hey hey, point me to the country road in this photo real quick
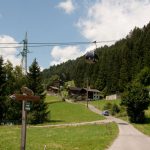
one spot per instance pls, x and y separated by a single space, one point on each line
129 138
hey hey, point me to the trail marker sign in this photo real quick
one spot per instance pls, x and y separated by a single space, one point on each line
27 106
21 97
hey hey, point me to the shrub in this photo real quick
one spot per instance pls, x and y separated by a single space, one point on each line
136 99
107 106
115 109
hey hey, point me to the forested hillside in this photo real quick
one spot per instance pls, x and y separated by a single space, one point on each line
117 65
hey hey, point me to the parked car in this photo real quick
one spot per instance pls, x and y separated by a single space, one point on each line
105 113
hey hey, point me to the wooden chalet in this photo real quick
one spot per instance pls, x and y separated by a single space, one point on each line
83 93
93 94
75 91
53 89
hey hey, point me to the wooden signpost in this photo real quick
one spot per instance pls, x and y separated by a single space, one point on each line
21 97
25 98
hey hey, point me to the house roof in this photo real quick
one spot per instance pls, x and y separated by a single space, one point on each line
86 89
92 90
74 88
53 87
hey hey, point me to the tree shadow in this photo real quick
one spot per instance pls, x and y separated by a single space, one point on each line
147 121
123 123
53 102
55 121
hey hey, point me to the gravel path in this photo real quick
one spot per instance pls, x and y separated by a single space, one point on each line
74 124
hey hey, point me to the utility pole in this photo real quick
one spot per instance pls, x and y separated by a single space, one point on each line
87 96
24 113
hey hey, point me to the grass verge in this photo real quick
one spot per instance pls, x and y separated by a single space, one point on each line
52 98
145 127
89 137
101 103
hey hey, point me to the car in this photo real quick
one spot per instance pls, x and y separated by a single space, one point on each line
105 113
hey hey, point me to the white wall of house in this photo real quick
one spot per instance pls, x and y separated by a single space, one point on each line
112 97
96 96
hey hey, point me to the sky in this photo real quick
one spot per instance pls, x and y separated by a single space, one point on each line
63 21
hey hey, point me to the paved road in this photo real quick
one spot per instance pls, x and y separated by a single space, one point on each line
129 138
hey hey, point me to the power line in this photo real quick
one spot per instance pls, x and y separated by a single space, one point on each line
44 44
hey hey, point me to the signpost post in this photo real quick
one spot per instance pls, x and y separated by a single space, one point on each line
25 107
26 96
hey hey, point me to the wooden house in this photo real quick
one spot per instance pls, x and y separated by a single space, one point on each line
84 93
53 89
93 94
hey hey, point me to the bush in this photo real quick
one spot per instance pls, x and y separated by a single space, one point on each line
136 99
115 109
122 112
107 106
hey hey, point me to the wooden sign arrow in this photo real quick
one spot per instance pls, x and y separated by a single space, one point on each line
20 97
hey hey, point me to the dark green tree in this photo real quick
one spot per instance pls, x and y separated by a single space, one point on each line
14 83
10 77
136 99
19 77
144 76
2 90
38 112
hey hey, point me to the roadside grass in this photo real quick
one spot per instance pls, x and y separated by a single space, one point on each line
63 112
101 103
53 98
145 127
88 137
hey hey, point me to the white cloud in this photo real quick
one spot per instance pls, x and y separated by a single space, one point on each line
9 53
113 20
60 54
67 6
41 68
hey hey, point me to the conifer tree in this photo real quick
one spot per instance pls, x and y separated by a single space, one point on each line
2 90
38 112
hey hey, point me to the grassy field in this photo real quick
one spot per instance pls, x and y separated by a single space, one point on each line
91 137
52 98
63 112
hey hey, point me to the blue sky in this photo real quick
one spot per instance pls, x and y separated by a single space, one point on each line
66 21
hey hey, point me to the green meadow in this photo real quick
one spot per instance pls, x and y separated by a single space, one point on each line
63 112
88 137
